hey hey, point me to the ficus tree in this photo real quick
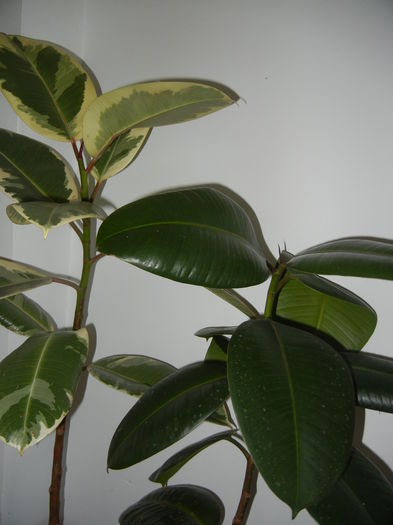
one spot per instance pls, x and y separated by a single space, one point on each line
293 371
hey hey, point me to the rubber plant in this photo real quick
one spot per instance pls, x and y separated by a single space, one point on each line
294 372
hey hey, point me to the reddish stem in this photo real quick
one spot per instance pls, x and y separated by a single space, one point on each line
249 491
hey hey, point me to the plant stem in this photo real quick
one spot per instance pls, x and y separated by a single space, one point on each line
272 292
82 299
249 491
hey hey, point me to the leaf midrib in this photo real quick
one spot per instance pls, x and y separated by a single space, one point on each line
294 414
184 224
30 316
51 97
30 396
170 401
23 173
140 123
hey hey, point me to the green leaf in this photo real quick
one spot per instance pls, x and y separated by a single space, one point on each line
147 105
354 256
180 504
133 374
168 411
120 154
211 331
236 300
37 385
329 308
218 349
22 315
178 460
47 86
294 401
196 236
17 277
32 171
47 215
373 377
363 496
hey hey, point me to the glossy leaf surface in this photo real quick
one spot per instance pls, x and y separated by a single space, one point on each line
329 308
37 385
32 171
133 374
180 504
17 277
48 215
211 331
120 154
46 85
178 460
196 236
218 349
363 496
147 105
168 411
22 315
235 299
294 401
354 256
373 377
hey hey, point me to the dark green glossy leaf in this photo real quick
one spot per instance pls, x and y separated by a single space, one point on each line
373 376
236 300
178 460
294 401
133 374
46 85
147 105
22 315
120 154
32 171
363 496
17 277
168 411
37 385
178 504
196 236
329 308
211 331
355 256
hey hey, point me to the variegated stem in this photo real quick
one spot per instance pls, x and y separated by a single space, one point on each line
249 491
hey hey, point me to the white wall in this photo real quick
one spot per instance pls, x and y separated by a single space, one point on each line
309 149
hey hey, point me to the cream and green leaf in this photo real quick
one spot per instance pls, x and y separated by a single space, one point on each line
37 385
17 277
22 315
149 104
47 215
47 86
121 152
32 171
327 307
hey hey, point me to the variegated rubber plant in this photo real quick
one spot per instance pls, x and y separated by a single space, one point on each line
294 373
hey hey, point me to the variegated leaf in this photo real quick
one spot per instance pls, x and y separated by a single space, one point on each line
47 215
17 277
32 171
133 374
37 385
122 151
22 315
47 86
149 104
